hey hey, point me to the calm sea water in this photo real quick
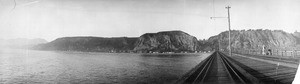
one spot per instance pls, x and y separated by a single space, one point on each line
30 66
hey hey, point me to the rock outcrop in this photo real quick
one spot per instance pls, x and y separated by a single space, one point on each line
167 41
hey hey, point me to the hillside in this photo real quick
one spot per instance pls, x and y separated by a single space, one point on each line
99 44
255 39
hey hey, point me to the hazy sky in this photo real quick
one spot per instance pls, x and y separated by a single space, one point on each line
51 19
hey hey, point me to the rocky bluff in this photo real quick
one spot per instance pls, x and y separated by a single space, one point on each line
167 41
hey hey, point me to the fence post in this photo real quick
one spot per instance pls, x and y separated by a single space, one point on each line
285 52
249 52
294 53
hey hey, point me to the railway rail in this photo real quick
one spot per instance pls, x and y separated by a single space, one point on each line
217 69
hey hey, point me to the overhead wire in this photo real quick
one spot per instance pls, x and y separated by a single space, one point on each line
213 8
214 13
15 4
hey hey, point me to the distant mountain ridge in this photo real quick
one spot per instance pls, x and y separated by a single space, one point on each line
178 41
21 42
167 41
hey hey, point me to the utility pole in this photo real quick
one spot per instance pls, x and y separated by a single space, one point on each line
228 17
219 41
229 44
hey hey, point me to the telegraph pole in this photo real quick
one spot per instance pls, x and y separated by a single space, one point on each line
229 44
228 17
219 42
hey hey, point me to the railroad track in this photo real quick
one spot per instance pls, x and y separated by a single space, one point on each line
217 69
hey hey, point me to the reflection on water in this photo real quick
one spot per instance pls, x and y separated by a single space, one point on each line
29 66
